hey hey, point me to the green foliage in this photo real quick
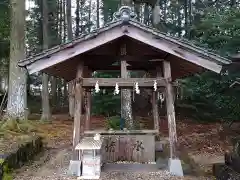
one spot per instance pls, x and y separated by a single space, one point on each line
208 96
219 30
4 28
113 122
105 102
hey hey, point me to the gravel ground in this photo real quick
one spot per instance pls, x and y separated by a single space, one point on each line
54 166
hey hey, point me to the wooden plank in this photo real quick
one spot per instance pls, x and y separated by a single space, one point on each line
78 110
118 68
123 82
134 57
170 111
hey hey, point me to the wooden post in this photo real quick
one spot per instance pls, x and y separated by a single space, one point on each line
170 111
155 102
78 109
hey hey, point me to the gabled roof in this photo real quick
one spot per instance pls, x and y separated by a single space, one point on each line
124 24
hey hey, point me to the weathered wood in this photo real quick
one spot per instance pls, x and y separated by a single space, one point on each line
95 58
78 110
155 103
123 82
170 111
117 68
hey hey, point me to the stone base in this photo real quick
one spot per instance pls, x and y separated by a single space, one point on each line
175 167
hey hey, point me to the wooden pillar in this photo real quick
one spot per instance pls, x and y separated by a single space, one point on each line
170 110
155 102
78 109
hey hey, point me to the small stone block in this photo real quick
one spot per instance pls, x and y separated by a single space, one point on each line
74 168
175 167
158 146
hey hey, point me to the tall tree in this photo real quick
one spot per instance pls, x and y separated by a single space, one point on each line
71 98
46 113
77 19
17 95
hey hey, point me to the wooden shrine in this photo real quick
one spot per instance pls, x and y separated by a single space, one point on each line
125 45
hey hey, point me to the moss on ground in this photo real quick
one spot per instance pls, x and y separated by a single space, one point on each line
7 173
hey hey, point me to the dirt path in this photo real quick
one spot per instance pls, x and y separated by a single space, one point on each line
53 165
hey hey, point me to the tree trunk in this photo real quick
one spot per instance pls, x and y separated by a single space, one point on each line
98 9
89 15
69 20
77 18
71 100
59 93
126 99
17 94
54 91
46 113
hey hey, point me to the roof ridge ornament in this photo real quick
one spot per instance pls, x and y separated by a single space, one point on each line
124 13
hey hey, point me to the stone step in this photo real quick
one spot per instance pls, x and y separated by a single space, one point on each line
130 167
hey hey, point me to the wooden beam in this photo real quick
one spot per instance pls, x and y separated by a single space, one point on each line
118 67
170 111
135 57
123 82
78 110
